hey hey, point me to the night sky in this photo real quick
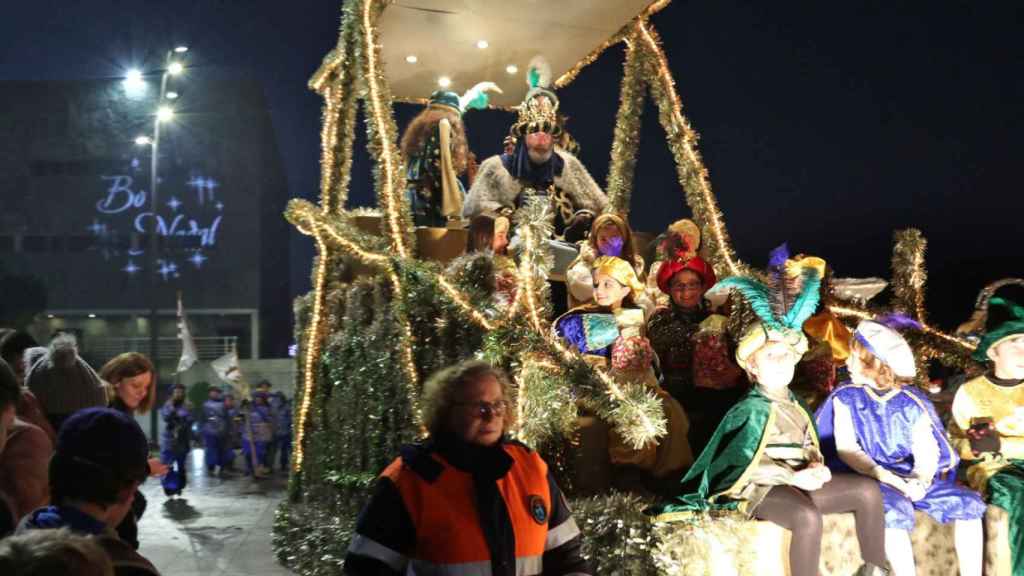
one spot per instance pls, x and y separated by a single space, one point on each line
828 125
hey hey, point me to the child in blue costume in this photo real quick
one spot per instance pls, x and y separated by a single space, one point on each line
881 426
176 440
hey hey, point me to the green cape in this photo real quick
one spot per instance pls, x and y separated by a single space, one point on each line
720 473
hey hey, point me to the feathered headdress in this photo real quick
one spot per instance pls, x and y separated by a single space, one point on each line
782 304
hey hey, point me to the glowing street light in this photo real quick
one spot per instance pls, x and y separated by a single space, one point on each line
143 140
171 95
444 81
164 114
134 84
181 49
175 68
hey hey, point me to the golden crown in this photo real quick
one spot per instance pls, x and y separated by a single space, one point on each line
539 113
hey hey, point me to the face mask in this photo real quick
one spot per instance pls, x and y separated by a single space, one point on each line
611 247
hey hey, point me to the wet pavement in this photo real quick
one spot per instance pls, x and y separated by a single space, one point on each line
217 527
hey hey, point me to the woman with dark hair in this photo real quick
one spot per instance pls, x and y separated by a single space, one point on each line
468 498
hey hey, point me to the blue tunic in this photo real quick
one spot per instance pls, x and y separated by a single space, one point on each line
884 428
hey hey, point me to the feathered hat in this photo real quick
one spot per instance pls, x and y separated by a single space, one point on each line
539 110
476 97
782 304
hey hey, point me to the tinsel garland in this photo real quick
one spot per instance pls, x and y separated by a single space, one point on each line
706 544
335 81
908 282
626 138
382 131
545 403
682 140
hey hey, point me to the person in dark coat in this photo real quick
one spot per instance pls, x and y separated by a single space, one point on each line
281 410
99 463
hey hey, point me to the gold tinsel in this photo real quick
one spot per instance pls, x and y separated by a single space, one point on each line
682 140
627 131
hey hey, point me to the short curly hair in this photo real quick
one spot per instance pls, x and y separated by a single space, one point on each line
442 388
43 552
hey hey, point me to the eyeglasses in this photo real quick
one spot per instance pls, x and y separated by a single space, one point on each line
486 410
683 287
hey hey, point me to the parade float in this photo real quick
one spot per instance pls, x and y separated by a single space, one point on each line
392 302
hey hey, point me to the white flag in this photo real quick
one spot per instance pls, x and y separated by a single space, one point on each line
227 367
189 355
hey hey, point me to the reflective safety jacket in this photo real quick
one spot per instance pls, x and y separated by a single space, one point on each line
449 509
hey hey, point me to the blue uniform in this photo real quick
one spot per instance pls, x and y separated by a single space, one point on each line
175 443
282 430
883 423
215 434
256 435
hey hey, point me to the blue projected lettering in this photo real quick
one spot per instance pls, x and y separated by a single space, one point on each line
192 213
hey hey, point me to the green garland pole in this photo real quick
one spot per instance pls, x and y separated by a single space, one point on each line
627 130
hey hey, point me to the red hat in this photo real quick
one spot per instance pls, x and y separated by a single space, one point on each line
696 264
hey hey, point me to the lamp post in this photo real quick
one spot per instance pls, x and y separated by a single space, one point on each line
164 113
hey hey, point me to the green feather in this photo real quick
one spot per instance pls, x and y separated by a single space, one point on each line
533 77
806 303
1016 310
756 294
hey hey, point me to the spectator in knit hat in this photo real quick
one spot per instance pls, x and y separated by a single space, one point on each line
63 382
100 461
24 452
49 552
20 350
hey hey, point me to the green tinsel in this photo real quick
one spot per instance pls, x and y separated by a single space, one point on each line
626 139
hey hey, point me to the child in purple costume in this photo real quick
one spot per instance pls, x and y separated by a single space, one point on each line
881 426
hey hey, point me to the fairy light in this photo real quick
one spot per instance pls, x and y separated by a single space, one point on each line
312 352
464 303
571 74
389 194
689 138
527 283
408 359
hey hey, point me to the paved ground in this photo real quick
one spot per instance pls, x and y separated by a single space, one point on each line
218 527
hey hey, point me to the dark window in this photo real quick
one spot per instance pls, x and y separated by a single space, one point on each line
35 244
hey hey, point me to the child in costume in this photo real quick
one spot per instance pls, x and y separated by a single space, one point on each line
435 151
610 331
610 235
693 347
988 420
880 426
488 233
764 460
176 440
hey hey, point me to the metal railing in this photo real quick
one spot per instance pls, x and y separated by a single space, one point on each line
208 347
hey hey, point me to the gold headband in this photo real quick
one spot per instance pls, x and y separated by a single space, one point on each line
621 271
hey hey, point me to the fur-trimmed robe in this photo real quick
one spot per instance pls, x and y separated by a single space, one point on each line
494 188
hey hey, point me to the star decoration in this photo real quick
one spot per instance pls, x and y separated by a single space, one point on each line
131 269
168 270
97 228
173 203
220 206
197 259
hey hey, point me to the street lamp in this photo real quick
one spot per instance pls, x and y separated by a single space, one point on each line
163 115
